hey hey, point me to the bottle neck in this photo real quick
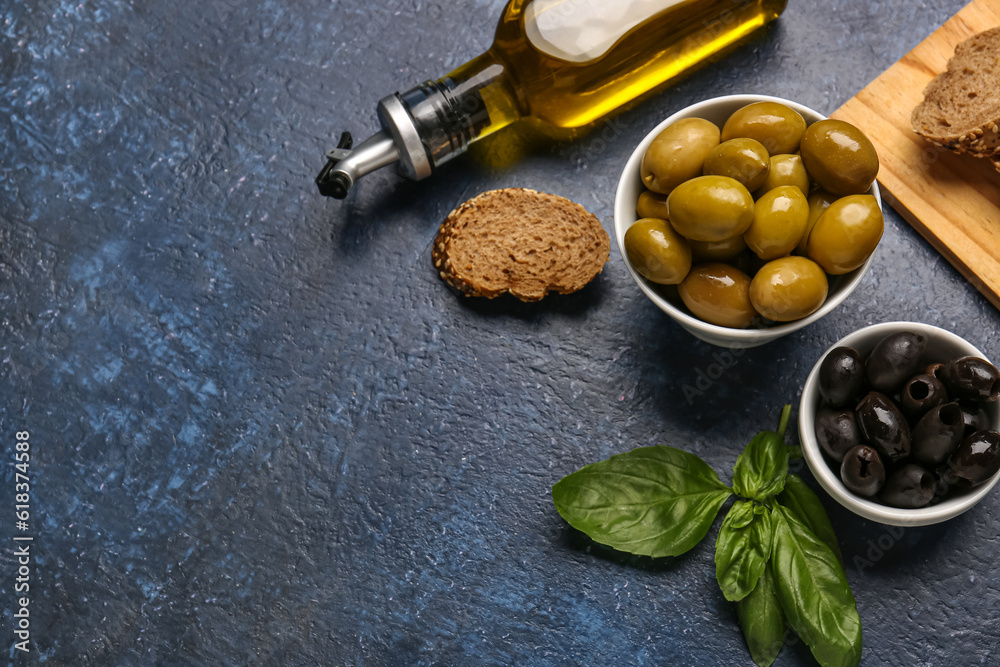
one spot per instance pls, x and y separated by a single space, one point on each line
447 115
484 91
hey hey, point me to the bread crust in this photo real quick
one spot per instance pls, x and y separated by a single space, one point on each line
519 241
961 106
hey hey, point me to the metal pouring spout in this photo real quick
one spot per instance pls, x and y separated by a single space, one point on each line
344 166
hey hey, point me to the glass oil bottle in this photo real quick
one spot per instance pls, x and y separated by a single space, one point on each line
566 63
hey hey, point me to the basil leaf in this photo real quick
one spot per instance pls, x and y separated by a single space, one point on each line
760 470
814 592
809 510
652 501
762 621
742 549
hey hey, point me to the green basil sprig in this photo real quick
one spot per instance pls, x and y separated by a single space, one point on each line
776 555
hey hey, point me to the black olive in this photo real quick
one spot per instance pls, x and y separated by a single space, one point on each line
942 487
976 459
971 378
934 369
883 426
937 434
908 487
836 432
920 394
862 471
974 416
894 360
841 377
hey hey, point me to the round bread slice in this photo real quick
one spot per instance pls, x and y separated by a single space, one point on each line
521 242
961 106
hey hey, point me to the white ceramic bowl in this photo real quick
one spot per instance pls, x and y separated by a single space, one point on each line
941 346
717 110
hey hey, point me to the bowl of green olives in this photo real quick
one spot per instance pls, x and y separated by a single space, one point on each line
899 423
747 217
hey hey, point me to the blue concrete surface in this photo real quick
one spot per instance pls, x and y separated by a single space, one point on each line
264 432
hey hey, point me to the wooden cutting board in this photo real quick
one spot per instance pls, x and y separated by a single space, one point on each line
952 200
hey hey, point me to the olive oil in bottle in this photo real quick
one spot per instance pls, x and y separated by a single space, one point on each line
566 63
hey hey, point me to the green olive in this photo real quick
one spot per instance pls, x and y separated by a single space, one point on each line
744 159
788 288
717 251
846 234
710 208
718 294
657 252
779 220
839 157
773 124
678 153
785 169
651 205
819 201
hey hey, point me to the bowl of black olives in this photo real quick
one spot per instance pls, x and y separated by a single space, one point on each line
747 217
900 423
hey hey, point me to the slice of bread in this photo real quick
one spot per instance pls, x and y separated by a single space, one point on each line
521 242
961 106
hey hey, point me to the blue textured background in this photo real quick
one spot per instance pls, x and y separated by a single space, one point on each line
263 430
